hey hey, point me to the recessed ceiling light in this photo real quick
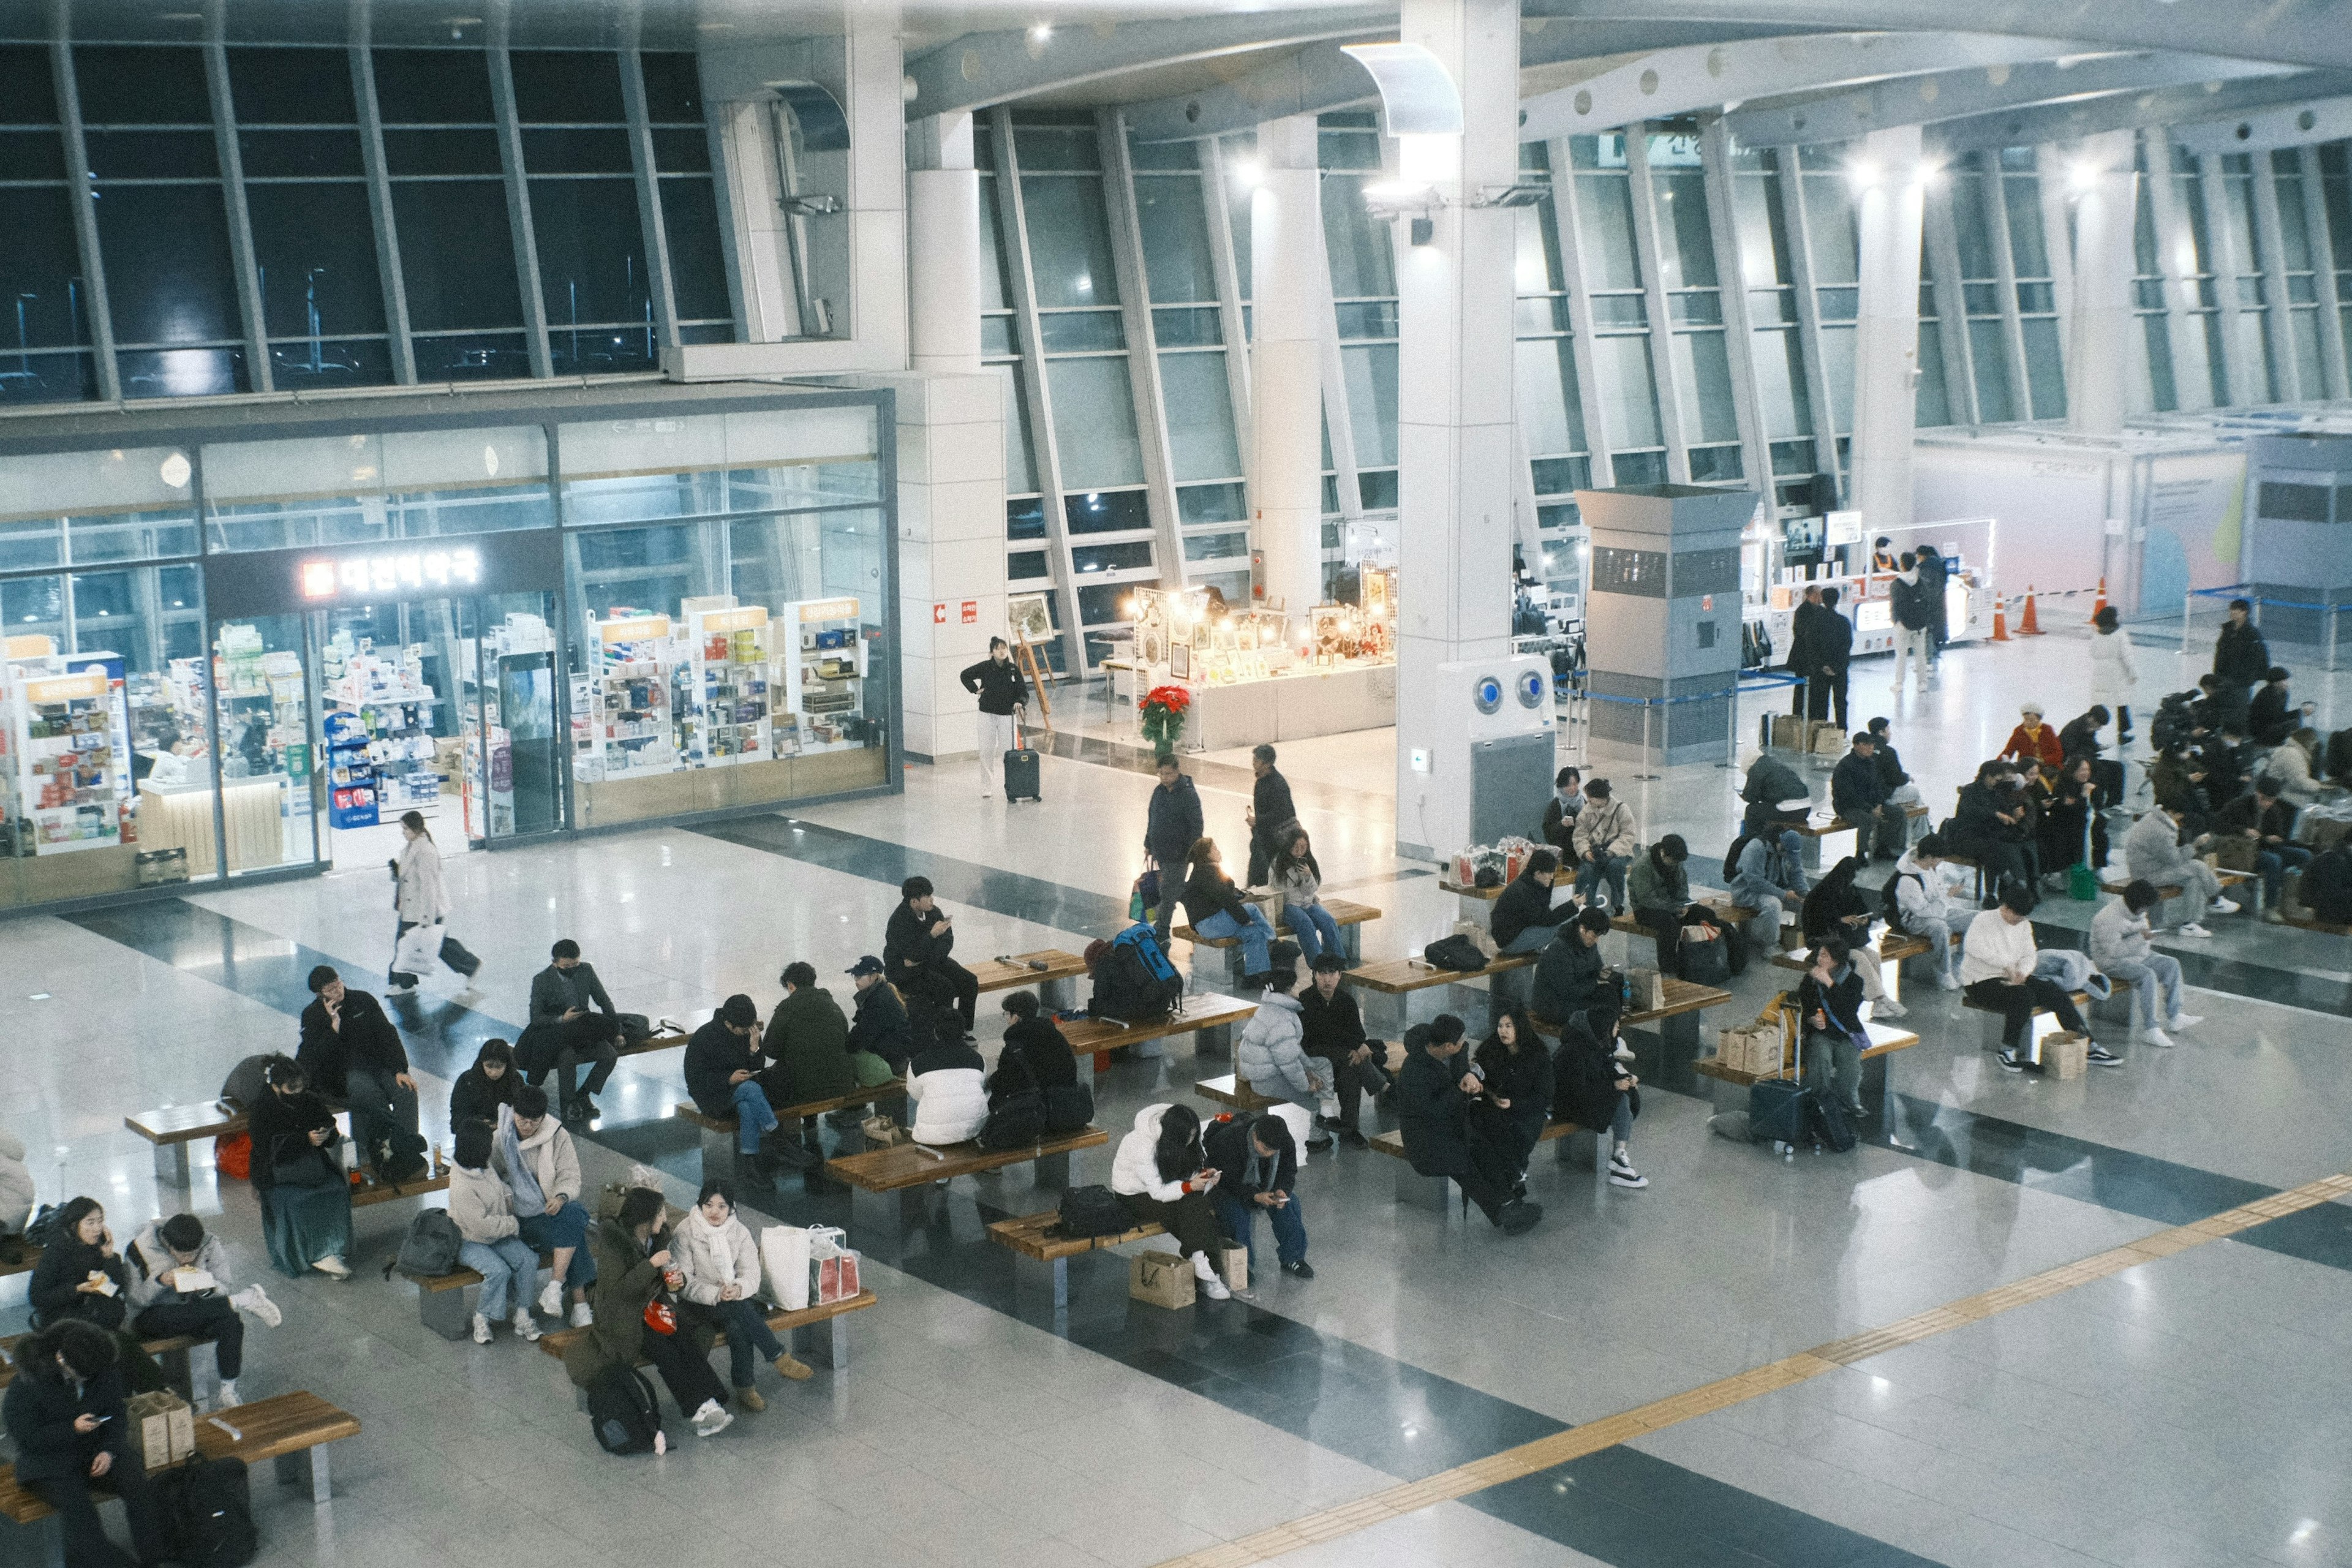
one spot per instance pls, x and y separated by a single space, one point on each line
180 17
461 21
1041 32
38 996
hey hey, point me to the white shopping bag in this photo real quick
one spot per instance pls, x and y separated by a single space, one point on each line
418 951
784 1259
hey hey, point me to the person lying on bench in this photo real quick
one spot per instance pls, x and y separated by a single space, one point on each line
67 1413
352 1056
563 1033
485 1088
1997 963
1433 1099
917 949
722 1070
1595 1087
1571 976
720 1261
878 1025
179 1285
482 1207
1335 1034
1164 1176
534 1152
634 1264
1257 1172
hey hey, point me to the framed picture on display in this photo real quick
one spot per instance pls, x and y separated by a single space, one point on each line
1028 615
1180 660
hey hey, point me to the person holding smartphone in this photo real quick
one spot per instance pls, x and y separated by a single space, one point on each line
1163 1175
65 1413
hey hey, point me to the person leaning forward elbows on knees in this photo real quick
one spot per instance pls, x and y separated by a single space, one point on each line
564 1033
1163 1175
2153 852
1434 1096
482 1208
917 949
533 1153
1334 1035
179 1284
722 1070
1257 1172
1524 916
2120 947
67 1414
1997 972
1572 978
715 1251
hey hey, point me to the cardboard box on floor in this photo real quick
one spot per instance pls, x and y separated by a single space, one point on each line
2065 1055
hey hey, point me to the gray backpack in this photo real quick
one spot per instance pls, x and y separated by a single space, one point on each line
430 1248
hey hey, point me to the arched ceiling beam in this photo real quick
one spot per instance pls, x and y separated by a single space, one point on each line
1320 78
1670 83
2130 111
983 69
2299 124
2287 32
1963 94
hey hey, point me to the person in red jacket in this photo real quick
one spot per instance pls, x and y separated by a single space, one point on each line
2034 742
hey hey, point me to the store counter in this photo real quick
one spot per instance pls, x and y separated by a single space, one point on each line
1330 701
180 817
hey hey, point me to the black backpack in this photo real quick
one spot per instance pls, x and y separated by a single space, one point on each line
430 1248
208 1512
1731 857
1455 953
1828 1124
1134 982
1092 1211
621 1411
1890 897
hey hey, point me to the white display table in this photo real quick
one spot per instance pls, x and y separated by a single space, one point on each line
180 817
1296 707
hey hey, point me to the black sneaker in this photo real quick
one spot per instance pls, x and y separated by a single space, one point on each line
791 1153
1353 1139
2011 1062
1320 1144
1302 1269
1519 1217
2100 1056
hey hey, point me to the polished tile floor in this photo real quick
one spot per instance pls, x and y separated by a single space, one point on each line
2185 1411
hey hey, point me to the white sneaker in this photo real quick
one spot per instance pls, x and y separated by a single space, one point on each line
581 1316
2156 1038
227 1399
1948 982
481 1329
711 1419
526 1327
1888 1007
2191 929
551 1299
250 1299
2225 906
2183 1021
333 1267
1215 1289
1204 1274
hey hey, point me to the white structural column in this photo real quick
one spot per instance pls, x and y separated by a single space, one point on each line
942 247
2106 189
1886 343
1285 471
1455 420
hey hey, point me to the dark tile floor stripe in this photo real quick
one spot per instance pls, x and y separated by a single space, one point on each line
1224 775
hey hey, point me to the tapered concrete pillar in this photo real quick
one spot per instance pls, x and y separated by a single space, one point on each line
2104 188
942 247
1887 215
1455 384
1286 364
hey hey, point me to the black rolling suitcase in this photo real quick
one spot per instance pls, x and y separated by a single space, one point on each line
1022 774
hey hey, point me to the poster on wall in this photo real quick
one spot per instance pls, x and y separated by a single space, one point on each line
2191 526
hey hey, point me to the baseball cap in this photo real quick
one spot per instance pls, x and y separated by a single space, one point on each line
870 965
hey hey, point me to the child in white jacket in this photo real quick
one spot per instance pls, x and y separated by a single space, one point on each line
720 1261
482 1207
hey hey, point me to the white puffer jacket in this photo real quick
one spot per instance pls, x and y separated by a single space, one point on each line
713 1256
950 1103
1136 1167
15 1185
2113 675
1271 1055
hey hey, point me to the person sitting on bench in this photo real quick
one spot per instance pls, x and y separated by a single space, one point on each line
1257 1172
633 1262
80 1275
1595 1087
1923 901
1858 795
563 1033
1217 910
488 1087
1524 916
877 1024
352 1056
1828 1011
2266 820
915 948
1605 844
1768 874
1572 977
715 1251
1334 1033
1997 972
947 1083
1163 1175
297 1175
1035 1056
2153 852
482 1207
68 1416
1558 828
1271 1054
1434 1095
534 1152
722 1071
2120 947
1516 1066
1835 908
807 1047
1660 890
179 1285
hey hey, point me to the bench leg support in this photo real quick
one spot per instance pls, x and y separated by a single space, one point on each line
825 1344
1217 1041
1873 1086
444 1311
1059 994
1041 1286
289 1468
171 1165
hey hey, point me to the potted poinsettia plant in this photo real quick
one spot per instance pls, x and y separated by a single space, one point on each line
1163 715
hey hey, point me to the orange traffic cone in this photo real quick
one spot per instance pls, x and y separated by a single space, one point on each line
2027 626
2101 602
2000 621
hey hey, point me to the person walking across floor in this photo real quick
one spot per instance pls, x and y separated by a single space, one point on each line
1606 843
1435 1096
1256 1164
1172 824
2122 950
716 1252
573 1024
482 1206
1163 1175
67 1415
1910 612
2114 676
1997 964
1003 693
421 901
1271 814
178 1283
533 1153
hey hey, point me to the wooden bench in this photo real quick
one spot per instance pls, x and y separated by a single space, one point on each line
794 1327
892 1187
1347 915
1049 970
1231 1090
724 1127
173 1128
1884 1041
281 1428
1669 1066
1894 947
2045 1021
25 1264
1438 1193
370 1191
1033 1243
1401 977
1201 1012
172 1351
2116 881
1826 842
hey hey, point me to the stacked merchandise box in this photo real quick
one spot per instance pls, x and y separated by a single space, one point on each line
62 733
822 657
731 716
395 706
629 731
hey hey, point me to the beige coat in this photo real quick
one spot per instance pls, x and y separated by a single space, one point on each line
422 899
553 1159
715 1256
480 1205
1606 825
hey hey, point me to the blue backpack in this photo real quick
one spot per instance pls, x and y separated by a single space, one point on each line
1134 982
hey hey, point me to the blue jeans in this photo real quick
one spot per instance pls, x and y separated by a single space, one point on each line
753 1119
2274 864
749 1340
1255 935
1235 1217
567 1227
1590 874
1535 939
508 1261
1313 926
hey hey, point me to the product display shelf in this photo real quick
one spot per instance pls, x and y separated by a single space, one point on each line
823 669
629 731
63 781
732 668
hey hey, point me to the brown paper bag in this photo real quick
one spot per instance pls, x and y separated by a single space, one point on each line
162 1428
1162 1279
1789 732
881 1132
1235 1268
2065 1053
1649 988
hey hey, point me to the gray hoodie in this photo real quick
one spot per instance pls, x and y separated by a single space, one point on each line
147 1260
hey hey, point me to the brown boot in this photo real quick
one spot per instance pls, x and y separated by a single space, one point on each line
749 1398
791 1367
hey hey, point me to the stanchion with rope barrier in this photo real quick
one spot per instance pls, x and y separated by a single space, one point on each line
1751 680
2237 591
1730 694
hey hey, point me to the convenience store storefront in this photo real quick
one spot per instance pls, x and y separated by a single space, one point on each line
242 648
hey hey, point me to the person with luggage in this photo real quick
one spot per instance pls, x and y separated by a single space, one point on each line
1923 907
533 1153
420 899
1300 880
1595 1087
67 1415
1558 828
1163 1175
1257 1173
1435 1095
716 1252
917 952
1829 1008
1605 843
1858 795
1573 980
722 1072
1036 1055
635 1268
1172 824
1271 815
2154 852
482 1207
2266 820
1516 1066
877 1023
1908 606
306 1202
573 1024
1524 919
1217 910
1332 1029
1836 910
1997 971
1660 890
178 1285
2122 950
483 1089
1003 693
1271 1054
351 1054
2241 659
